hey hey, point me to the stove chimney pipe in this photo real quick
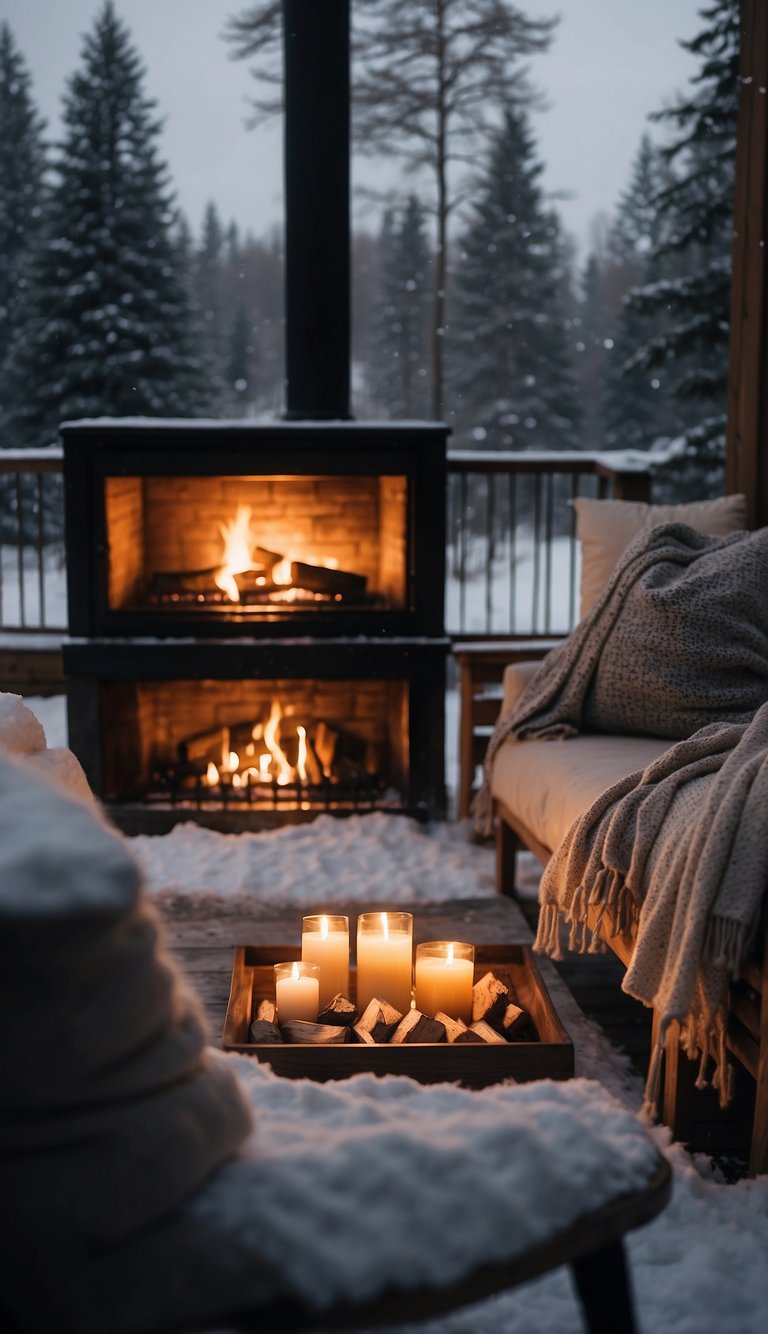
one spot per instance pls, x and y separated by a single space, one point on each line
317 245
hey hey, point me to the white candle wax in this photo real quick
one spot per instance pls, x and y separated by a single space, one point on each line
330 950
384 968
297 997
445 984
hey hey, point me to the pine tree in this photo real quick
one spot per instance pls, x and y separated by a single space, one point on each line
22 167
111 330
242 360
637 408
208 283
697 210
512 374
398 374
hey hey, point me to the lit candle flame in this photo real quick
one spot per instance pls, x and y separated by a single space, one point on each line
295 972
385 925
212 774
449 960
324 927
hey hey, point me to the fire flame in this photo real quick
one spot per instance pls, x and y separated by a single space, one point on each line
240 543
236 557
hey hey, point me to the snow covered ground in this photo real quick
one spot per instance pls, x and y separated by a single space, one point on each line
697 1269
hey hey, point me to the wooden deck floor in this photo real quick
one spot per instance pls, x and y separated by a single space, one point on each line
591 985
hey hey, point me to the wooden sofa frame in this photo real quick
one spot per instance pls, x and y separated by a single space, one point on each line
747 1031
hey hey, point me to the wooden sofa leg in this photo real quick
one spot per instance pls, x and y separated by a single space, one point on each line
679 1083
507 848
758 1157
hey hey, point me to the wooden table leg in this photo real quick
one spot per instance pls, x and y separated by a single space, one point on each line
602 1282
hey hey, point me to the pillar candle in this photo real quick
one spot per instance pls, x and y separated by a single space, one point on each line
297 991
445 972
325 941
385 959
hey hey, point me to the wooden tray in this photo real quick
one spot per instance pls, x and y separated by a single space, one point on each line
550 1056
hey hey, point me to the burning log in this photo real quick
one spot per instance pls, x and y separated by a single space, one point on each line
324 1035
340 1011
379 1020
418 1027
335 583
456 1030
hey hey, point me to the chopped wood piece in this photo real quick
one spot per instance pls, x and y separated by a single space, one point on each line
340 1011
266 1009
418 1027
262 1030
456 1030
380 1019
486 1033
512 1019
322 1035
363 1035
490 999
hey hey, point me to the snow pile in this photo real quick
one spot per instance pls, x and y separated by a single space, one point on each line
23 735
20 731
355 860
348 1186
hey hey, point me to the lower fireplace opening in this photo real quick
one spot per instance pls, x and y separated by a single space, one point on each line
285 746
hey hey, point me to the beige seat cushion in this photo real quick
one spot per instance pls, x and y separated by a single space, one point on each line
605 529
549 784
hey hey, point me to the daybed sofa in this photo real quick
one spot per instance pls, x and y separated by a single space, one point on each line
540 787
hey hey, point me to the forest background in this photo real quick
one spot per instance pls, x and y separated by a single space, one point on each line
470 300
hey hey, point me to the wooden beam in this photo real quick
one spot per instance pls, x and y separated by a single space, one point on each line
747 431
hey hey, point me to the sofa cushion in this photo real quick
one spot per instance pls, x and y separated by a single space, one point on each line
605 529
549 784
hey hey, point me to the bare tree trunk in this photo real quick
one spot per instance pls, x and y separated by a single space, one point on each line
438 304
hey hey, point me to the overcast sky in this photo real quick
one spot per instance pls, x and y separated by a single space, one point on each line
611 62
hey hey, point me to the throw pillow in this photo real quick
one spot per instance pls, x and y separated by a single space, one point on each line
605 529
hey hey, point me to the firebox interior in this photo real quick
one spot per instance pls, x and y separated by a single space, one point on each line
251 545
254 742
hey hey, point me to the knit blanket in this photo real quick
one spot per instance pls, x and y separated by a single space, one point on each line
676 646
678 639
678 852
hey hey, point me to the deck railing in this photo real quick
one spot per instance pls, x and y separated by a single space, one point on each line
512 557
32 574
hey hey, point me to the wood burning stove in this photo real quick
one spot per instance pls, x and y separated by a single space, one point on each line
256 618
204 528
